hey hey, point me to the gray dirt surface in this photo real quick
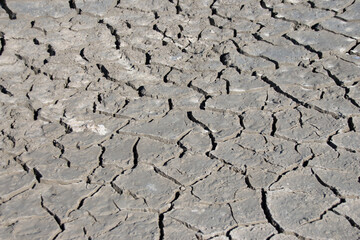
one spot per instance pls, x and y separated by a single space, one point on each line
179 119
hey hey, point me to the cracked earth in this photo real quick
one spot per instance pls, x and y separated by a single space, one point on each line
180 119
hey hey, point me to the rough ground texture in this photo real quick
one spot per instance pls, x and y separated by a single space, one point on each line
206 119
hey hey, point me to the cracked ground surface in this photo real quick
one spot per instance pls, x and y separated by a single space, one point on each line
180 119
